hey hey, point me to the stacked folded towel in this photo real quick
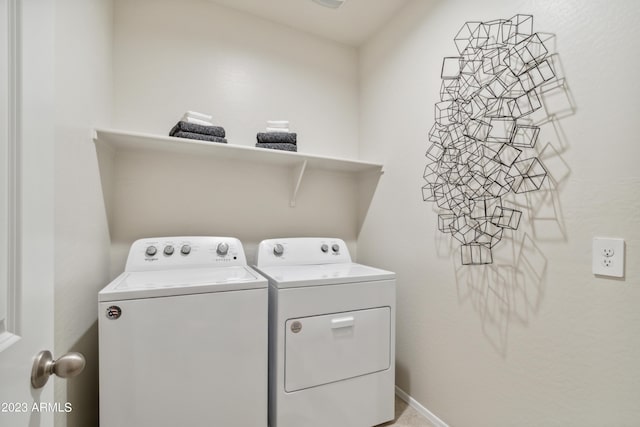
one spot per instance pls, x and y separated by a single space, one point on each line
278 136
198 126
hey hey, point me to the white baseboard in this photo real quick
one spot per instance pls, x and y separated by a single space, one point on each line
433 419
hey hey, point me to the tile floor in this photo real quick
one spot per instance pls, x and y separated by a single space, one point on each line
406 416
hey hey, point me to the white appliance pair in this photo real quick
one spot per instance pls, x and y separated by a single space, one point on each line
184 333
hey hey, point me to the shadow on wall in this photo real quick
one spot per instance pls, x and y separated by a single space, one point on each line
403 376
507 291
511 289
509 286
367 185
82 391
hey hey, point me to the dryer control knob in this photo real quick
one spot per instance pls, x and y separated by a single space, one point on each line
151 251
324 248
335 247
168 250
222 249
185 250
278 249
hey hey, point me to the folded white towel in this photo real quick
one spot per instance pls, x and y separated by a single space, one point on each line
196 121
283 130
278 123
198 116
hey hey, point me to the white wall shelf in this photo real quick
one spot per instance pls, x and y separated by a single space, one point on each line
298 163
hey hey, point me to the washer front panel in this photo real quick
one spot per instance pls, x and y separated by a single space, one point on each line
190 360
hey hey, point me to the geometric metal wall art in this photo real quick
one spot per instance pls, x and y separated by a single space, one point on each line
482 140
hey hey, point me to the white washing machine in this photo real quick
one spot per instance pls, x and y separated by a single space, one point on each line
331 335
183 337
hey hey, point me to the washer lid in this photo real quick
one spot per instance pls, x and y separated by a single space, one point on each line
293 276
163 283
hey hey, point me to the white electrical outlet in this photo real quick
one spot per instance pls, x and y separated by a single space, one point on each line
608 257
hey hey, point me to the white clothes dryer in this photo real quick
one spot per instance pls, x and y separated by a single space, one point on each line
331 335
183 337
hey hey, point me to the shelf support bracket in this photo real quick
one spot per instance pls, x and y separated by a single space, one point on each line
297 174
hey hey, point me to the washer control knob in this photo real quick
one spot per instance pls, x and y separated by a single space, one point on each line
335 247
324 248
185 250
151 251
278 249
168 250
222 249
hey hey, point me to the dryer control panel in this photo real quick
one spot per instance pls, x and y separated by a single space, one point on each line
168 253
302 251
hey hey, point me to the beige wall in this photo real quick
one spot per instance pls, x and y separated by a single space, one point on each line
534 339
83 38
196 55
145 69
173 56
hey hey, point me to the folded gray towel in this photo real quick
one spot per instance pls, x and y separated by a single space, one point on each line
277 137
278 146
200 137
183 126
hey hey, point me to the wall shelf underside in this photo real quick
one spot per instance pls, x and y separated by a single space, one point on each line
298 163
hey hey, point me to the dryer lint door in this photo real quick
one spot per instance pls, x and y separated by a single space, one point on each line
333 347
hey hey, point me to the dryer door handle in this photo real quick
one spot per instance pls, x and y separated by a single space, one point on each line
342 322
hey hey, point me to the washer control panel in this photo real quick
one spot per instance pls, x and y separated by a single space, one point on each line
166 253
303 250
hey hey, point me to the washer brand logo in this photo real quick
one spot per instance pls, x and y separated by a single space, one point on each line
296 327
114 312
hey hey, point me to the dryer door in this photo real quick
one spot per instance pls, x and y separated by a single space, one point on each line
333 347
